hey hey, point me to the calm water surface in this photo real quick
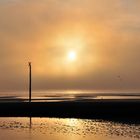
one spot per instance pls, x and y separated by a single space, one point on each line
64 95
66 129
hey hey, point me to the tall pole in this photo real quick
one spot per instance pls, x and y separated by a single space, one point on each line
30 81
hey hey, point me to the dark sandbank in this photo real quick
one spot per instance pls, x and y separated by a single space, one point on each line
127 109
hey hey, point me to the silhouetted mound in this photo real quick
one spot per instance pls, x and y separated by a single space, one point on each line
115 108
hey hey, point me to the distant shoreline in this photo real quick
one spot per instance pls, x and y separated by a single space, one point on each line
69 97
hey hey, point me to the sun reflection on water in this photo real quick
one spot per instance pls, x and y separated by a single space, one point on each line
55 128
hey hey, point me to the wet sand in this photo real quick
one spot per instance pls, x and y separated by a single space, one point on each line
24 128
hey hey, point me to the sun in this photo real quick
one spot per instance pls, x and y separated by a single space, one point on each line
71 55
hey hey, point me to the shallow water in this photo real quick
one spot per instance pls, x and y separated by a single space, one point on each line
66 129
67 95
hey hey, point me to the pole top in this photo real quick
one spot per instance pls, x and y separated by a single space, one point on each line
29 63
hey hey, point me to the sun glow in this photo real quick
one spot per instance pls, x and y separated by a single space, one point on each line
71 55
67 55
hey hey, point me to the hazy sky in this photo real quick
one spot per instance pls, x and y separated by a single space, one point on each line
104 36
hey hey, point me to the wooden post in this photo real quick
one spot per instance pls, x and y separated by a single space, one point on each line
30 122
30 82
